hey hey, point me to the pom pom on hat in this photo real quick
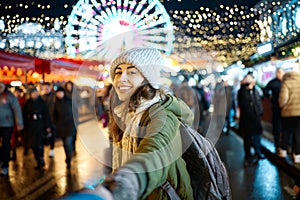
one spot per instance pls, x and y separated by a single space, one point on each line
146 60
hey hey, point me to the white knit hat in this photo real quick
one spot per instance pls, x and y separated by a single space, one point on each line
146 60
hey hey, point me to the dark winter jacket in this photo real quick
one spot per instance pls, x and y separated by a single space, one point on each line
63 117
251 110
273 88
36 120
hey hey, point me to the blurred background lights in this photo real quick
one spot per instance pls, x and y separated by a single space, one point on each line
227 33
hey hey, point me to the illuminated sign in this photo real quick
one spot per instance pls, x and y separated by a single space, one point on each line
265 49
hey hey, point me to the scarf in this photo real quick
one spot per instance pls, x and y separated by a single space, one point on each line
123 150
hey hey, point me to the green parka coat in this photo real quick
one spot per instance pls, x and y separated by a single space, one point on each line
158 156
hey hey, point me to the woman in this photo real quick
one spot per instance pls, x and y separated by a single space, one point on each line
144 128
37 124
64 122
69 85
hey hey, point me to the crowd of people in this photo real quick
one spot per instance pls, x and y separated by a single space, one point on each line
282 92
245 106
35 117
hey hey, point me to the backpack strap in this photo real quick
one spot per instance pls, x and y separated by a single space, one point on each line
168 188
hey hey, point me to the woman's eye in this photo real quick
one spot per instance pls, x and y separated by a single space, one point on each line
118 73
132 72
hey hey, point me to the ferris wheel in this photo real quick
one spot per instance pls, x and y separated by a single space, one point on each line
104 28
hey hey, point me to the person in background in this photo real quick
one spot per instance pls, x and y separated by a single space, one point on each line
272 91
229 107
144 127
250 126
18 92
39 87
103 106
49 97
69 87
10 116
64 122
203 108
289 102
219 105
190 96
37 124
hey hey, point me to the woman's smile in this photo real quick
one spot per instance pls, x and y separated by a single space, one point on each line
124 88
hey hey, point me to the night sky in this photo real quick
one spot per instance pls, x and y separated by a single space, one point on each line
57 6
195 4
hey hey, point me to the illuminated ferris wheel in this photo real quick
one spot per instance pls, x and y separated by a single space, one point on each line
104 28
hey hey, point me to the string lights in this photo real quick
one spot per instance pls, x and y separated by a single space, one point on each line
280 24
228 34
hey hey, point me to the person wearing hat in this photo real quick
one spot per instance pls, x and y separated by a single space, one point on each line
10 116
144 129
251 111
64 122
37 124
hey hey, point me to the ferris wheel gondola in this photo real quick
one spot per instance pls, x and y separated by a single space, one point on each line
103 28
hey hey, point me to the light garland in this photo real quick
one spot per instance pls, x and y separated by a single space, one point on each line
226 33
280 24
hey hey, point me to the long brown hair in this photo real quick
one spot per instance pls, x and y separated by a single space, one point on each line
145 91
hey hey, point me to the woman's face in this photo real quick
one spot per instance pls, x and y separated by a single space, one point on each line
69 87
127 80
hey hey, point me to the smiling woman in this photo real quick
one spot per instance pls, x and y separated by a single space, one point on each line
144 130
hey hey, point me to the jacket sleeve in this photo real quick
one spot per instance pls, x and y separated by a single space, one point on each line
283 95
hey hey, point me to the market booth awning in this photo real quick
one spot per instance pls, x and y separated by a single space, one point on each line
18 67
31 69
16 60
64 69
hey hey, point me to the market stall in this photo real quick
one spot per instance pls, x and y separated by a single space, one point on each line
64 69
